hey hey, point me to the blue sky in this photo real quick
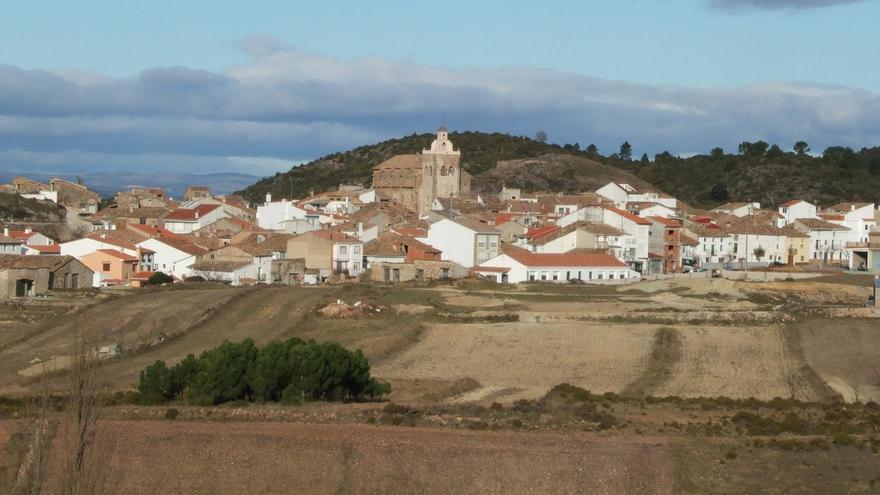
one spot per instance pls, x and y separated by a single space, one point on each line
206 86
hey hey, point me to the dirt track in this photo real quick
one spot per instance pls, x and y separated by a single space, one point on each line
218 458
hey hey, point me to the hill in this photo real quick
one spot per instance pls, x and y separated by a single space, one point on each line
554 172
14 208
759 172
480 152
768 175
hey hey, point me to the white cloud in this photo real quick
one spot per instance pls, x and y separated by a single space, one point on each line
284 105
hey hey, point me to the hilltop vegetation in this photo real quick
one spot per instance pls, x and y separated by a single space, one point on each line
14 208
757 172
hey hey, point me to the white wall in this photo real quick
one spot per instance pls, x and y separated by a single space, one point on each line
168 259
801 209
85 246
456 241
271 215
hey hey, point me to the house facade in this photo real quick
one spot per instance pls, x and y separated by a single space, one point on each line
328 252
516 265
464 240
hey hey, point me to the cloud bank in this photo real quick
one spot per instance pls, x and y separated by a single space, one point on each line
284 106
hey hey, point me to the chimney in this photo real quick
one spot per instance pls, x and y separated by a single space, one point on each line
197 214
139 257
268 198
5 231
28 230
360 230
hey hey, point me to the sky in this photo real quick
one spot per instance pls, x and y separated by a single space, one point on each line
256 87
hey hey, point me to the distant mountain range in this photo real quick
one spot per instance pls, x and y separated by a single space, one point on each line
108 183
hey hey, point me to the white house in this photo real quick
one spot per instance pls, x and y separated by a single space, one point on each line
757 243
649 209
797 208
713 244
464 240
738 209
174 255
858 217
29 236
827 240
621 194
188 220
517 265
636 252
95 241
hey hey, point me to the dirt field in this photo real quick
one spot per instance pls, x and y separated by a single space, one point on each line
515 360
451 352
218 458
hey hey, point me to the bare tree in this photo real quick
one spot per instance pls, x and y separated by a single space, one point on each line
32 470
83 472
541 136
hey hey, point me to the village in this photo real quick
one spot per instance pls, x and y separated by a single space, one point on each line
420 221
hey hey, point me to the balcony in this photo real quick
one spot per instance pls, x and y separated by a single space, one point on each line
863 245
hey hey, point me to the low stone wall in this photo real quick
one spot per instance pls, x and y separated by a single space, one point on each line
406 272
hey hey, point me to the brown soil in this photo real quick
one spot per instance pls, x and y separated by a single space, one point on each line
217 458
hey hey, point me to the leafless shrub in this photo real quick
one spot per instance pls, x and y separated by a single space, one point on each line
84 468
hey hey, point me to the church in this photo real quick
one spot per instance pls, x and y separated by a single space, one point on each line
416 180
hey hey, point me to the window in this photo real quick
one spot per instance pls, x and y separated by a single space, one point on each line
555 275
105 267
531 276
543 275
445 273
356 266
343 250
356 250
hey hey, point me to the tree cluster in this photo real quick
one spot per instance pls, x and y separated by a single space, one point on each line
288 371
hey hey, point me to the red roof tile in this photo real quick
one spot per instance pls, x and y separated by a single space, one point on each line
666 221
629 216
117 254
50 249
571 258
189 214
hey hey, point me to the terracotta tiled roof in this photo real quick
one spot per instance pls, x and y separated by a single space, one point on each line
189 214
331 235
183 243
401 161
113 238
33 261
411 231
571 258
263 244
50 249
218 266
117 254
669 222
629 216
142 275
816 224
474 224
791 202
9 240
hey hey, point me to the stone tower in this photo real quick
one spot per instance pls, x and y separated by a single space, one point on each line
442 176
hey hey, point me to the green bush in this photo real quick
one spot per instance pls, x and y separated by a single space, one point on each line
160 278
171 414
290 371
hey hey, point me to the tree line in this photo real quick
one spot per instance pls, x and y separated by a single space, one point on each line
290 371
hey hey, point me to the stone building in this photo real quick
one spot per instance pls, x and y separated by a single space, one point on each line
416 180
29 276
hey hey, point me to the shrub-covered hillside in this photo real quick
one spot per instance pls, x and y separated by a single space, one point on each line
756 172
